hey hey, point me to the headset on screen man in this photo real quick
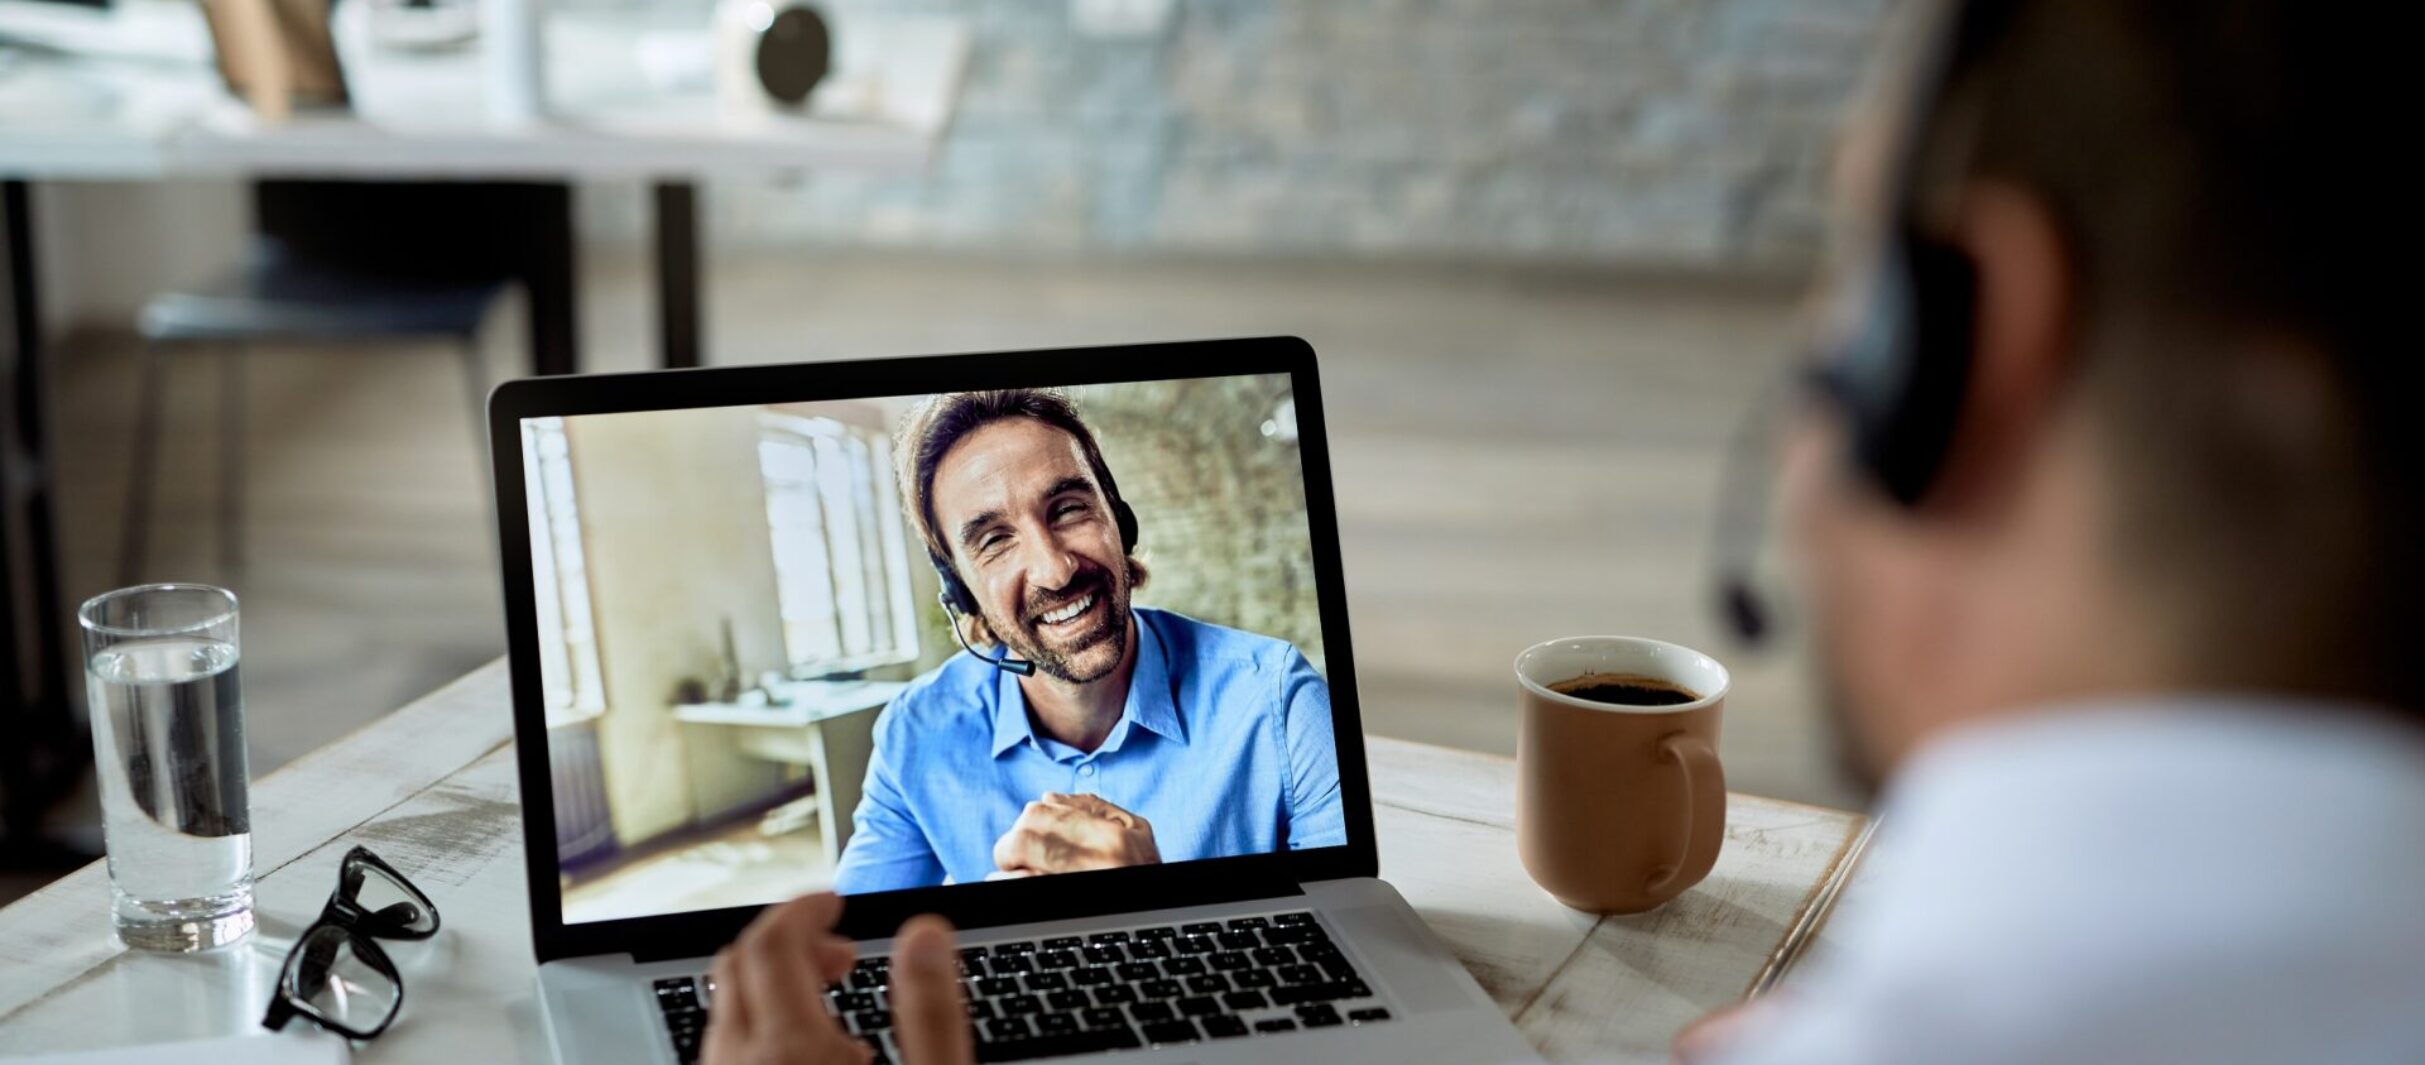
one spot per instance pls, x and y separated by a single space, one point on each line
957 601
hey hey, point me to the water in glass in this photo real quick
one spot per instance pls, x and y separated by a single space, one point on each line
168 740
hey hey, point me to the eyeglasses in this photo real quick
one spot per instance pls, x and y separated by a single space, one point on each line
336 976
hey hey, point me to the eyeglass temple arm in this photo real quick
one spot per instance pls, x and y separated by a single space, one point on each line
280 1012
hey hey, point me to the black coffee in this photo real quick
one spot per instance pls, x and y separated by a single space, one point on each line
1625 689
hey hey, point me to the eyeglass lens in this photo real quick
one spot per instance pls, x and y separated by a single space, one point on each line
393 906
333 979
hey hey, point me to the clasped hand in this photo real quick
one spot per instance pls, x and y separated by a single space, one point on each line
1069 833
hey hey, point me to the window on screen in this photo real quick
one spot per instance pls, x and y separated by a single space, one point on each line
568 644
842 577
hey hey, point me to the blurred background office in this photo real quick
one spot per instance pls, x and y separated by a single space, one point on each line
1549 251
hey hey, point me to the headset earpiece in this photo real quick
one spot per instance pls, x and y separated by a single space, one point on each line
1122 514
953 595
1127 520
1902 376
958 603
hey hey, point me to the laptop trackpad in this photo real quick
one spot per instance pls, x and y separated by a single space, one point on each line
1397 952
598 1024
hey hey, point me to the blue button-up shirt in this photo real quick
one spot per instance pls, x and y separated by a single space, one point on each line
1224 746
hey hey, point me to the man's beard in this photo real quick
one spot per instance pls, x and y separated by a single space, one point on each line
1110 628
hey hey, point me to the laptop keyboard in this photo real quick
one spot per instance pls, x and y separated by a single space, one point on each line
1159 985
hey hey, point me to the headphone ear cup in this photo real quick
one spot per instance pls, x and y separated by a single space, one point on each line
1944 334
1126 517
1902 382
953 594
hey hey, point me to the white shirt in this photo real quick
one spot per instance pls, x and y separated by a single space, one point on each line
2201 880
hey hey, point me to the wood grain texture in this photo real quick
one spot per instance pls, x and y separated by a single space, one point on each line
432 789
1584 987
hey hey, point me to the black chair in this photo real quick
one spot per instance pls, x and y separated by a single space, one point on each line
333 262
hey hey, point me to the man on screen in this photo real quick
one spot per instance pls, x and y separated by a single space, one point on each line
1079 732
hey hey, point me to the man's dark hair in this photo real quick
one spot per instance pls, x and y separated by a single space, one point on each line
930 429
2224 175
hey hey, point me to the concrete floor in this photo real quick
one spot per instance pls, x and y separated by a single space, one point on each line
1519 454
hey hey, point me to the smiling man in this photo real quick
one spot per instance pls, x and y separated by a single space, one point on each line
1095 734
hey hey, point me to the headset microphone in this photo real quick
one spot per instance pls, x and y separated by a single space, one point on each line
1004 662
1746 609
1742 510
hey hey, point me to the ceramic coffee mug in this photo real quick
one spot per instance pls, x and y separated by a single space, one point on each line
1620 807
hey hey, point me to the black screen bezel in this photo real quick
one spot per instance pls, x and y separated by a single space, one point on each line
967 905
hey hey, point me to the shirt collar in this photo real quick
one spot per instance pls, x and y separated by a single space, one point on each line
1149 704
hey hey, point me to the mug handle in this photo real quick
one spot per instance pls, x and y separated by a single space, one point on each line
1704 791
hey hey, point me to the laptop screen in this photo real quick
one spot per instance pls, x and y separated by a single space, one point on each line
877 644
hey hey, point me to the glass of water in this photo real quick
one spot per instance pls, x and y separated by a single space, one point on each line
168 745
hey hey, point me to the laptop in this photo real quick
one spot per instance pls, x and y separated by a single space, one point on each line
1051 643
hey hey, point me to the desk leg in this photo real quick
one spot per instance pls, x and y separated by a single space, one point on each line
39 750
847 742
677 205
549 277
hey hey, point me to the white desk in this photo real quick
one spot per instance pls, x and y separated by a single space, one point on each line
826 727
431 789
805 703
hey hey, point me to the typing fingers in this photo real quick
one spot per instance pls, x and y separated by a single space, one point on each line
930 1020
769 1002
781 951
728 1006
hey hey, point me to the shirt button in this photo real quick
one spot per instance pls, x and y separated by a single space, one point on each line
1087 770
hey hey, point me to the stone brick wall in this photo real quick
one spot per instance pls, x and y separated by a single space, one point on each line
1220 504
1670 132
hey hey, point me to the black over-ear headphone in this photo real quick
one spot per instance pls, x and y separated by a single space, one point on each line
958 601
1898 360
1897 356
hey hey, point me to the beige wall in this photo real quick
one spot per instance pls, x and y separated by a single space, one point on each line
1220 507
674 523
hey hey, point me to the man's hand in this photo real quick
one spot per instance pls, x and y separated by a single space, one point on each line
1067 833
769 1002
1720 1030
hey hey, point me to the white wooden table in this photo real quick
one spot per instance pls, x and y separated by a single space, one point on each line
431 788
827 728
